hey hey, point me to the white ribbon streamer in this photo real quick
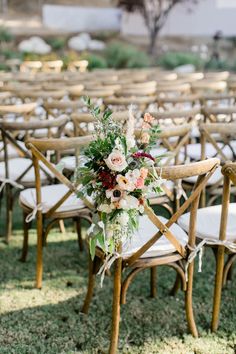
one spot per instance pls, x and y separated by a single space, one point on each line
231 246
11 182
109 260
32 215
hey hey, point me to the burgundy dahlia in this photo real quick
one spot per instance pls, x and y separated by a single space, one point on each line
137 155
108 180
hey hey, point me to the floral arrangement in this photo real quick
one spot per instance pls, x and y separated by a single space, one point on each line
119 174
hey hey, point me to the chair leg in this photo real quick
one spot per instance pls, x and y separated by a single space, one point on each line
189 303
62 226
9 206
153 282
116 307
218 288
176 286
91 283
26 227
79 234
39 261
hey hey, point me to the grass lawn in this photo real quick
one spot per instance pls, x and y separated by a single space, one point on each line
49 321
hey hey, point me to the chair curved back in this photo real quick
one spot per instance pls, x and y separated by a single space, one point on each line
202 169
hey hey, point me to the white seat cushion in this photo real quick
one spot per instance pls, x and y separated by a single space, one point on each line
194 151
69 162
50 196
208 222
17 166
216 177
158 151
11 150
145 232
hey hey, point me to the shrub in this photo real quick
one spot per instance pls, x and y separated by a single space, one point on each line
95 61
5 35
173 59
120 55
218 64
11 54
57 43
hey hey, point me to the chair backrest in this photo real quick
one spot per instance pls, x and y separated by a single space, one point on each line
222 137
229 173
39 148
176 116
219 114
11 130
202 169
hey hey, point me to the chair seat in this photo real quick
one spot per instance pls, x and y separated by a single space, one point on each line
208 222
50 196
145 232
215 178
158 151
194 151
17 166
11 150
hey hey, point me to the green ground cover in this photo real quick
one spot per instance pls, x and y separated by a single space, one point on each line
49 321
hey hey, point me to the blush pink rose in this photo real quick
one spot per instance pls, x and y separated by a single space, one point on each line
116 161
139 183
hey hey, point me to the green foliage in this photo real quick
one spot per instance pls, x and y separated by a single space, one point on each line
57 43
218 64
171 60
95 61
5 35
12 54
49 321
120 55
3 67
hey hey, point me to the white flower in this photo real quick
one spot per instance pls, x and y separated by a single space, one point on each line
132 176
130 141
123 218
118 145
129 202
105 208
124 183
116 161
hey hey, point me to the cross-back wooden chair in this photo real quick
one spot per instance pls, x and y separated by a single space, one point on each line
140 103
18 172
53 203
221 138
178 102
216 228
219 114
171 143
50 66
217 99
158 241
208 86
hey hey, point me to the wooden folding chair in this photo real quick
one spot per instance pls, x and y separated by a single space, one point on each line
53 203
157 242
217 139
216 228
18 171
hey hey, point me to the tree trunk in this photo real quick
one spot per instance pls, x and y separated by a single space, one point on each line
152 41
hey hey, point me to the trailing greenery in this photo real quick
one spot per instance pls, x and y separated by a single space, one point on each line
171 60
119 55
218 64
